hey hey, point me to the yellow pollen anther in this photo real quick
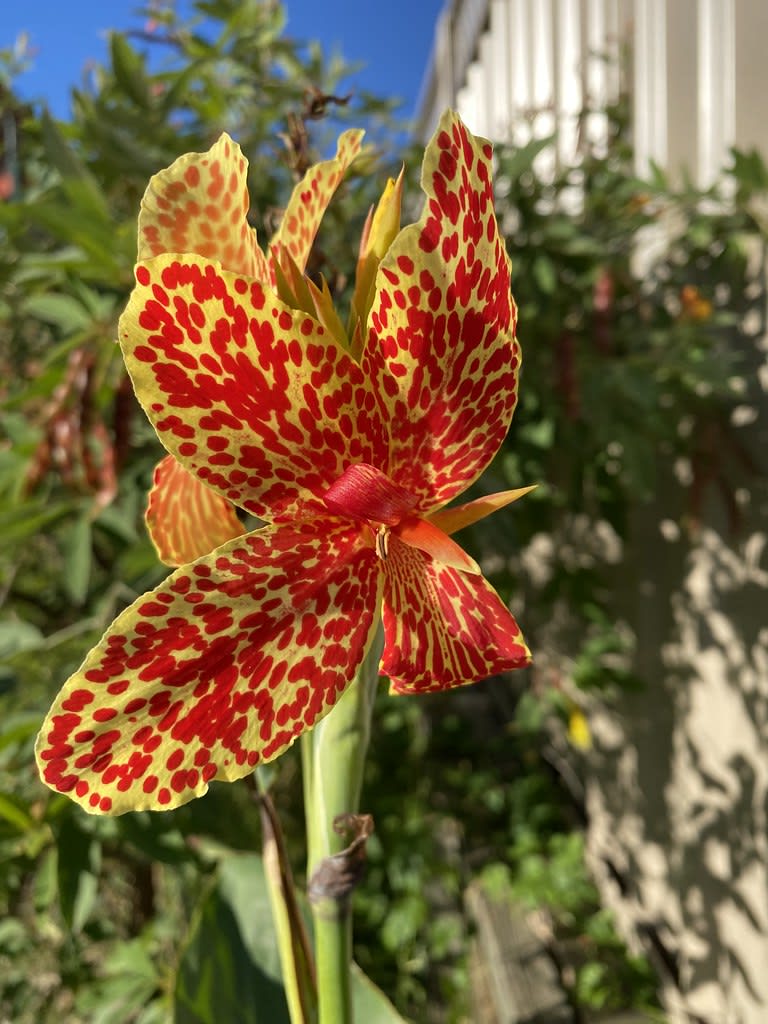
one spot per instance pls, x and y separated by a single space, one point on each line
382 542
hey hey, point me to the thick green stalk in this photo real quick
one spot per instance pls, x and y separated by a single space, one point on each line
334 757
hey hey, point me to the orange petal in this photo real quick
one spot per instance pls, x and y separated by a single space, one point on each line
252 397
185 518
440 348
442 627
456 518
427 537
199 205
218 669
310 199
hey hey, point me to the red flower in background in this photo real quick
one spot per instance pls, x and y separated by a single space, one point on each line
348 443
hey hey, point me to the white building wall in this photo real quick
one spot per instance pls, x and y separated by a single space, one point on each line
517 69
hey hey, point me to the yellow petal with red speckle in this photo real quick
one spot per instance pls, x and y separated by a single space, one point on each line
310 198
443 627
199 205
255 399
218 669
186 519
440 349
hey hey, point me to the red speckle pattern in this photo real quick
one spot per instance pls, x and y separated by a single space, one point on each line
441 350
217 669
442 627
200 205
185 518
237 652
310 199
255 399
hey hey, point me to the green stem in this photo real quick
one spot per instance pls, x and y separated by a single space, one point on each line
333 760
333 945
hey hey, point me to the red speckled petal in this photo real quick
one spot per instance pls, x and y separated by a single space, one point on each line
199 205
441 349
185 518
310 199
442 627
218 669
255 399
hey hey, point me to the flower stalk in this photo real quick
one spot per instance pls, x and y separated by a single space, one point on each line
333 761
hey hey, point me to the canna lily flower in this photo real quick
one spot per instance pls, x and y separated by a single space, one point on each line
348 442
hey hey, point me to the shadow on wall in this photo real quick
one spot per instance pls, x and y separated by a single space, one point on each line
677 780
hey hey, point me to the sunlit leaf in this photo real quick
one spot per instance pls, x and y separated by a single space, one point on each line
78 555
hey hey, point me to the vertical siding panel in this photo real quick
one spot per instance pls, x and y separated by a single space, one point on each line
520 80
716 119
681 85
751 75
444 63
488 104
596 72
650 74
502 69
569 86
615 36
543 92
468 101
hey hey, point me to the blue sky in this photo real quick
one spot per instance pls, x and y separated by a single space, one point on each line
392 39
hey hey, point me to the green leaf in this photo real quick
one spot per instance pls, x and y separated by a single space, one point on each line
46 884
16 636
13 936
17 729
63 311
544 274
81 222
61 154
129 71
79 856
118 521
517 161
130 980
22 521
150 834
13 812
78 557
370 1004
230 969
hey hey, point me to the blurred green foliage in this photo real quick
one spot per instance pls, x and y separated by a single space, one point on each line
633 358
